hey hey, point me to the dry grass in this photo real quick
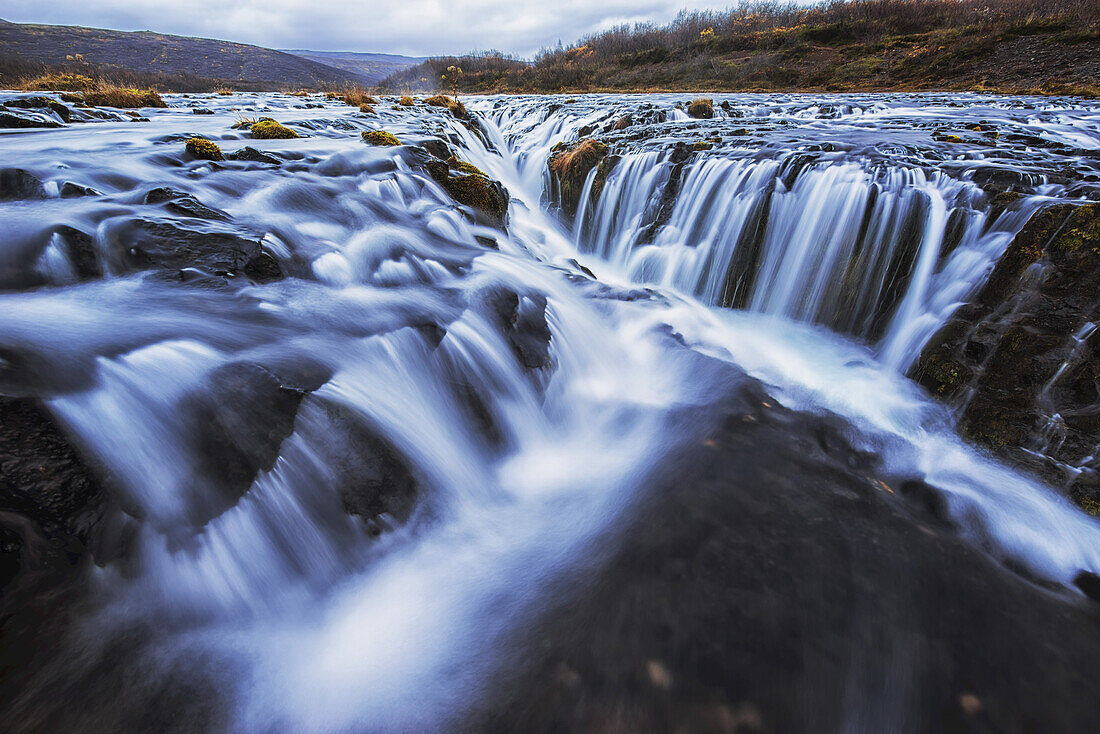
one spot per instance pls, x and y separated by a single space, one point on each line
106 95
701 108
406 101
357 96
579 158
59 83
833 45
441 100
224 91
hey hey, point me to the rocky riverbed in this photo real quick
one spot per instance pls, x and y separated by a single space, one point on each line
549 413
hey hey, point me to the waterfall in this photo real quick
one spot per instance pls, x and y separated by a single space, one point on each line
343 489
851 244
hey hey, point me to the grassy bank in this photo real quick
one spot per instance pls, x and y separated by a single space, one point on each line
1035 46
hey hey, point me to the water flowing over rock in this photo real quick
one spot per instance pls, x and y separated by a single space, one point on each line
1019 362
444 435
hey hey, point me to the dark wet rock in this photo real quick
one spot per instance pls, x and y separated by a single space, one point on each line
1089 584
376 481
184 204
202 111
16 184
767 583
569 165
41 103
241 416
468 185
51 500
80 252
9 120
437 148
522 319
1020 360
70 190
151 244
248 153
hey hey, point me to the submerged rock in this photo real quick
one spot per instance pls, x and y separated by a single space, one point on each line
1021 359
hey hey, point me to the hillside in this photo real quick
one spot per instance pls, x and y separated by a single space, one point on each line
157 53
862 45
371 68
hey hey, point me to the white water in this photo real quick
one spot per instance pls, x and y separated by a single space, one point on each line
313 625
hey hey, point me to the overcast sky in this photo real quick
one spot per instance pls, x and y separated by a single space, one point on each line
414 27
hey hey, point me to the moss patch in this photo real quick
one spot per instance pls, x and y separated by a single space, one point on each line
203 149
380 137
269 130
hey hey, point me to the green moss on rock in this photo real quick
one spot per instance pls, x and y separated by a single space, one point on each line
380 137
469 185
267 129
203 149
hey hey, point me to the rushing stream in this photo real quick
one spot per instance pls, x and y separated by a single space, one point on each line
841 237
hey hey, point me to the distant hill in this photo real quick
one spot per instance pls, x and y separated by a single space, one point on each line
149 52
372 68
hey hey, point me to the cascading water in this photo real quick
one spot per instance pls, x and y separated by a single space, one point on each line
315 606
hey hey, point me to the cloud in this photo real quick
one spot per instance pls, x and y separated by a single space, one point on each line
415 27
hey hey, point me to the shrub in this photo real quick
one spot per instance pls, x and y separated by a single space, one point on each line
203 149
268 129
406 101
122 97
701 108
356 96
380 137
366 109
